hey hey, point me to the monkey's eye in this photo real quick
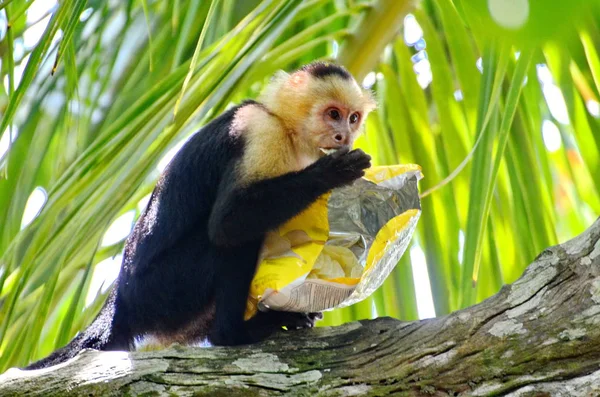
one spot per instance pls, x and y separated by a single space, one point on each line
354 118
334 114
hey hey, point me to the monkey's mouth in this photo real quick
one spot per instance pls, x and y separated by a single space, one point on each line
328 151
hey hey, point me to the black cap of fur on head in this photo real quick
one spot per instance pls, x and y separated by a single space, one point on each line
322 70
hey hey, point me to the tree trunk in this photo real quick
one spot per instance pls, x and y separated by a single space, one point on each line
538 336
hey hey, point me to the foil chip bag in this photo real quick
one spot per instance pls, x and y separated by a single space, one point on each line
341 248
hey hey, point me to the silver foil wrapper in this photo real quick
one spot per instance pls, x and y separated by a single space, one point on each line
357 212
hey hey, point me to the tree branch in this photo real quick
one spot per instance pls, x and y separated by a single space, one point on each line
539 335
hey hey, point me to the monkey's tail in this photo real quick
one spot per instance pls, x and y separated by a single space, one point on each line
99 335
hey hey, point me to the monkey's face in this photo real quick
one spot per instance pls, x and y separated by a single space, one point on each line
332 124
321 112
340 125
337 112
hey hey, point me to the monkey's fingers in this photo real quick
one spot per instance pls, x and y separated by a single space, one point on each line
292 320
356 161
359 158
316 315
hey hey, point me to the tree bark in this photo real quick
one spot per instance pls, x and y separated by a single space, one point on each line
536 337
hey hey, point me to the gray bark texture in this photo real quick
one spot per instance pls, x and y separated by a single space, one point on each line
537 337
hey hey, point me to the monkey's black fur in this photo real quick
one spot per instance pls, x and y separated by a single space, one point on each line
322 70
192 254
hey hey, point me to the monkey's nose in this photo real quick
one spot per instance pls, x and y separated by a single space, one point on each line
341 138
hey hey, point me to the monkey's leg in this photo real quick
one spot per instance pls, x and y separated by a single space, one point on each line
164 295
236 267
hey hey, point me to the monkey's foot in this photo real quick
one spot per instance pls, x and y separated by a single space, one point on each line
290 320
300 320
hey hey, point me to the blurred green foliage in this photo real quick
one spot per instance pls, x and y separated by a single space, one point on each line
96 102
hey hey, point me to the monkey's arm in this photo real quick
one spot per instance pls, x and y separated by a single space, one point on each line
245 213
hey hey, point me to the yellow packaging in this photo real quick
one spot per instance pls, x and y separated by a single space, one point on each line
339 250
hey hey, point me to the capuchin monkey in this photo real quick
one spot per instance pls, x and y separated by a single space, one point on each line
189 262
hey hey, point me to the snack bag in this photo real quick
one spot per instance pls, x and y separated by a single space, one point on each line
339 250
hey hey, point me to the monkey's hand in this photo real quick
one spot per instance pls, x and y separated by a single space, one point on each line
342 167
